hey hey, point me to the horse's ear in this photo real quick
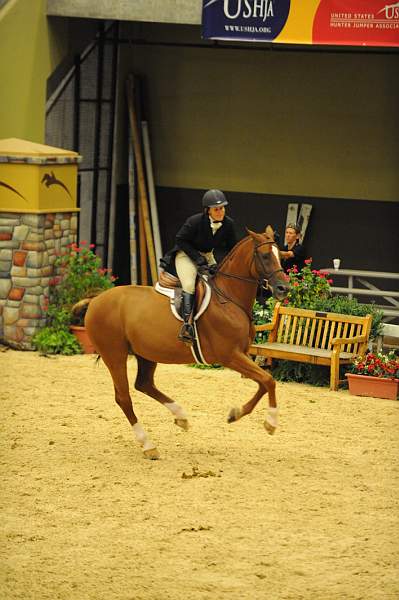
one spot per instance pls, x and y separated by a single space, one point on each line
254 236
269 231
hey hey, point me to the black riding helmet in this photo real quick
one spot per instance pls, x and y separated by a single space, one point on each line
213 198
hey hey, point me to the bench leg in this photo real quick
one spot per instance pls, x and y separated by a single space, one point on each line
334 370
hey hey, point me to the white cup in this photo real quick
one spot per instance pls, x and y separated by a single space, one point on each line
337 262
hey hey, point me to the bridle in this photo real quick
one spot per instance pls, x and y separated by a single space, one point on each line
259 281
255 258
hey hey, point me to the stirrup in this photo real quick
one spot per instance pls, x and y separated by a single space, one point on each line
186 333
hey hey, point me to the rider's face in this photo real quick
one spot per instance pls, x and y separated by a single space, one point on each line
217 213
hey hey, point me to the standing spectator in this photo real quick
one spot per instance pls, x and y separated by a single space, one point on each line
293 253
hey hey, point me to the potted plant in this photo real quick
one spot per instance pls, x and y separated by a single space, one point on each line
80 275
375 375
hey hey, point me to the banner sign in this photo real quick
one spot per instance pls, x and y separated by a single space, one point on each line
332 22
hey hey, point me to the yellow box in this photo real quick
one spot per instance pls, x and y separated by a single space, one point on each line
35 178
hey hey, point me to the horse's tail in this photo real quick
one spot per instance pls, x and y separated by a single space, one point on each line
79 307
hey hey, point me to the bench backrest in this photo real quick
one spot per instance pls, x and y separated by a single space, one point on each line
316 329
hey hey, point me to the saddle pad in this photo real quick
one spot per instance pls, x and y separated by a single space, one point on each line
170 292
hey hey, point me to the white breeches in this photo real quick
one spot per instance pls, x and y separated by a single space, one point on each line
187 271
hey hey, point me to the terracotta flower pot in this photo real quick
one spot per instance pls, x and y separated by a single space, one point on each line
375 387
83 338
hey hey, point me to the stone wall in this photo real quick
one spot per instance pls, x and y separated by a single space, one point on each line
29 245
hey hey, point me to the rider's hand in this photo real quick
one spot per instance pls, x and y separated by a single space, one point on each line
201 261
212 269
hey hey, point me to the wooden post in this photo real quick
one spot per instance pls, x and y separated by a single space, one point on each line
151 190
141 179
132 217
143 250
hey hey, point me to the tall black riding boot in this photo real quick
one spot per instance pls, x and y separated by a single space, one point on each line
187 331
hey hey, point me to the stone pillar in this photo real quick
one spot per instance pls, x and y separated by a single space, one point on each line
41 225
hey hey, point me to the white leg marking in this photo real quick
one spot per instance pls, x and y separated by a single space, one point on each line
142 438
176 410
272 416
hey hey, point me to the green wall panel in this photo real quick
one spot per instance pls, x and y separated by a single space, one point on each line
303 123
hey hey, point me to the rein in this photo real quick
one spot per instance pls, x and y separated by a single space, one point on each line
259 280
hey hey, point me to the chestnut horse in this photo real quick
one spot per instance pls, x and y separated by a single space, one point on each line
137 319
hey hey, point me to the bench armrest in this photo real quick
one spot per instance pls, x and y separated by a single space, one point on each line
264 327
272 325
350 340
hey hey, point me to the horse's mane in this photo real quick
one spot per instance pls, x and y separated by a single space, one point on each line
233 250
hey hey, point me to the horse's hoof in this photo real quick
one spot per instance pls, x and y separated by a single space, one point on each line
152 454
234 415
183 423
269 427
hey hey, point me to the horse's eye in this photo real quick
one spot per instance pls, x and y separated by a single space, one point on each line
266 255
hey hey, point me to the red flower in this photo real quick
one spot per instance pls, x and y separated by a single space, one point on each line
308 261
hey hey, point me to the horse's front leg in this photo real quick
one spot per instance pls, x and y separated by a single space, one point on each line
249 369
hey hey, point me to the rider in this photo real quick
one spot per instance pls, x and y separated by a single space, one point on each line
195 243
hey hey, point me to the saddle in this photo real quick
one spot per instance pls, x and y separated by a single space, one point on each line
169 285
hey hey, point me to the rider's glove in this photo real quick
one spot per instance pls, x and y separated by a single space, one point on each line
212 269
201 261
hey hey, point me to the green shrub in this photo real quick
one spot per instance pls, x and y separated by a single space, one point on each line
289 370
81 276
262 314
351 306
307 286
56 340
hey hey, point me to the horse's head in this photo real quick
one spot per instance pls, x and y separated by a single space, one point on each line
267 262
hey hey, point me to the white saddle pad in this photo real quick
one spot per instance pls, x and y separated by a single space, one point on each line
170 292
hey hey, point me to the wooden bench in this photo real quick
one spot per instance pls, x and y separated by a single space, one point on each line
314 337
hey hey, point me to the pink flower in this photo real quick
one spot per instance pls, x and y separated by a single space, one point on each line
83 243
330 281
308 261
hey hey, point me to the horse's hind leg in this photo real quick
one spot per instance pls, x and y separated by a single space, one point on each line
145 383
116 363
